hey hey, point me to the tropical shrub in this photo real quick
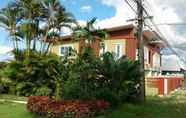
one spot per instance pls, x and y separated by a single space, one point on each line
85 78
82 80
90 77
35 76
45 106
121 77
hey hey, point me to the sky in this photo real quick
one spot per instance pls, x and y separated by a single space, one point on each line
110 13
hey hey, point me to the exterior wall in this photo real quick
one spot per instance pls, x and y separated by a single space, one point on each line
163 85
56 48
156 61
153 63
110 45
131 41
127 38
146 57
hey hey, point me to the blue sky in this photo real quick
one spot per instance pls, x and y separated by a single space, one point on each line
86 9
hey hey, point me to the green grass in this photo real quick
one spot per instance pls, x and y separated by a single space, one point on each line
14 110
154 107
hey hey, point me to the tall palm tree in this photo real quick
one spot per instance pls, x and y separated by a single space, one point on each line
56 17
8 20
26 16
29 25
89 33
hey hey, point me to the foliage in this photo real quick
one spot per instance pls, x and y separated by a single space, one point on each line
23 20
121 76
44 106
89 33
34 76
85 78
102 78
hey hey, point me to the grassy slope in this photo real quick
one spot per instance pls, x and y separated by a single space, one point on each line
171 107
13 110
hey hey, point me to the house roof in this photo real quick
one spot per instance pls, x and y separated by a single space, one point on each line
112 29
151 36
123 27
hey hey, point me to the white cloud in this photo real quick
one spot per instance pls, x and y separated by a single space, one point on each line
5 54
86 9
174 63
4 49
123 13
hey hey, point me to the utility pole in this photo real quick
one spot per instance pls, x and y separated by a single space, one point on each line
140 19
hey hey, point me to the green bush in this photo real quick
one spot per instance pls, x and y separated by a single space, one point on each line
27 77
102 78
85 78
43 91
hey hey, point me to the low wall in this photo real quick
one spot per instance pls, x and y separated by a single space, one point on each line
162 85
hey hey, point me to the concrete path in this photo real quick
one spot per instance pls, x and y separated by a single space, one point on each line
14 101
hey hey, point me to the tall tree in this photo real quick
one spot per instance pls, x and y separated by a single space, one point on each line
56 18
8 20
36 21
29 25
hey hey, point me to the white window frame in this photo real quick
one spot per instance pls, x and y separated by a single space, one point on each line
101 52
137 54
65 46
146 55
120 51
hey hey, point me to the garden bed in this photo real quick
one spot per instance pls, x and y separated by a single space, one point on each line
47 107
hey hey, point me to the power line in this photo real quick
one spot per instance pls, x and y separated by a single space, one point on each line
159 31
131 7
161 34
163 38
173 24
156 27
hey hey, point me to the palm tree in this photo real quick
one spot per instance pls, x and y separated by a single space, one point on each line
89 33
8 20
56 17
24 18
29 25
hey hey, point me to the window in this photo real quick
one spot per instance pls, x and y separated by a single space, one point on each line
137 54
149 57
118 51
66 50
146 54
103 48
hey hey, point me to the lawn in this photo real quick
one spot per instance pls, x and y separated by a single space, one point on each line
14 110
154 107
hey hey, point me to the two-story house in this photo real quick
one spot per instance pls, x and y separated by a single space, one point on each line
122 41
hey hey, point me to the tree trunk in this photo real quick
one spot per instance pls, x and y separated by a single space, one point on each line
58 93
